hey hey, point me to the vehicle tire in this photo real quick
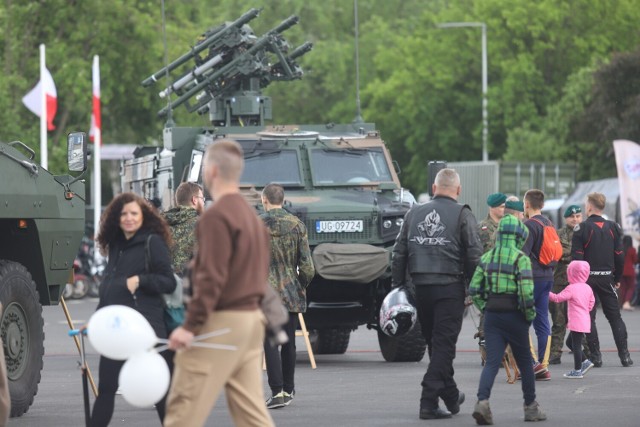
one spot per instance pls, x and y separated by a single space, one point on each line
330 341
80 287
408 348
22 331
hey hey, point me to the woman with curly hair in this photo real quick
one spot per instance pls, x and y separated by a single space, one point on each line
136 239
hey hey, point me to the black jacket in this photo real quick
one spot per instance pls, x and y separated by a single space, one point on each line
127 259
599 242
438 244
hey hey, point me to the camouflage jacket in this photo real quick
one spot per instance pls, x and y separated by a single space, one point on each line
291 268
182 221
487 232
560 272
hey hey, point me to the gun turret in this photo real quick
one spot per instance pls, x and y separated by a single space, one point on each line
228 81
209 40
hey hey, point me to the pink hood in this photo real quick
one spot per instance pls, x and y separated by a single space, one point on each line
578 272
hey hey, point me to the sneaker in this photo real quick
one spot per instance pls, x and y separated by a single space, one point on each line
586 365
482 413
543 376
288 397
540 372
276 401
574 374
539 369
532 412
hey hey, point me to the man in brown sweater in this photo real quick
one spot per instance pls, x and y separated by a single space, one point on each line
229 278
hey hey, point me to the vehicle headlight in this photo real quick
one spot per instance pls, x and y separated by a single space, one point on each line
387 223
399 222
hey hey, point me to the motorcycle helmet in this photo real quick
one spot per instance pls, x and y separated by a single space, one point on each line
398 313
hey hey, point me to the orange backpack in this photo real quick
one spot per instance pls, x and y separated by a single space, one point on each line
551 248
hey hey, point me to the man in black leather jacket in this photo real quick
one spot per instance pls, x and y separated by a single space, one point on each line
599 242
438 246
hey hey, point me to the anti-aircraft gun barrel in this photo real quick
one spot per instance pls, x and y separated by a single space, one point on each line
228 69
300 50
246 17
190 76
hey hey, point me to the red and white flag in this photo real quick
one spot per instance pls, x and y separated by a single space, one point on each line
32 99
96 120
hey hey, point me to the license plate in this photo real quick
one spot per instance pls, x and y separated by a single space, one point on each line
339 226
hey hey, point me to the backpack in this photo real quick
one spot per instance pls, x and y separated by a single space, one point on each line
174 310
551 247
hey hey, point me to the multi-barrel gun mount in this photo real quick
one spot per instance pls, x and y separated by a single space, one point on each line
232 66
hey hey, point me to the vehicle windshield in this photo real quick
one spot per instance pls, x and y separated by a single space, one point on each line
262 167
349 166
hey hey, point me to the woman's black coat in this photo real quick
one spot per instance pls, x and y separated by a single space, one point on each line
127 259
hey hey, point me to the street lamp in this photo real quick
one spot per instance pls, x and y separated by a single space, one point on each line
485 84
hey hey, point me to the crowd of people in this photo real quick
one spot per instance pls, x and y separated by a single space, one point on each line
446 258
518 270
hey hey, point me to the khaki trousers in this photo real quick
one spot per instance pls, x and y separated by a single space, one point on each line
201 373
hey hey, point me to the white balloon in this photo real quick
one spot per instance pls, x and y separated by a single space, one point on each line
144 379
118 332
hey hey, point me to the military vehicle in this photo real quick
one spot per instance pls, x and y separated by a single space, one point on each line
339 180
41 224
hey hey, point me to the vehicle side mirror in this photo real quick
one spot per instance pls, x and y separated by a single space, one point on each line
77 151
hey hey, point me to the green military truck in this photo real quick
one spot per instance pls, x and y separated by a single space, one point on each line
339 180
41 225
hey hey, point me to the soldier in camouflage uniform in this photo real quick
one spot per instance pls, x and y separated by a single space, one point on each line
487 230
290 273
182 220
487 227
558 311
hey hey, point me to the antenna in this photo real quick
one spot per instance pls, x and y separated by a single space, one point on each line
358 118
169 123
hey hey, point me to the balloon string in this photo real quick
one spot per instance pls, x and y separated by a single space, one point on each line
202 344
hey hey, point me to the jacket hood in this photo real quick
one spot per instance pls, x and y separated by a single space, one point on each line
511 232
279 222
180 214
578 271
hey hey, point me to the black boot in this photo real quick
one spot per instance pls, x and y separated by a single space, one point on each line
596 358
625 358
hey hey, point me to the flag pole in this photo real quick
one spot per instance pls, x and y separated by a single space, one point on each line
97 145
44 158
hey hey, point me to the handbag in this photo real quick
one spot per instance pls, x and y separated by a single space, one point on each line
174 311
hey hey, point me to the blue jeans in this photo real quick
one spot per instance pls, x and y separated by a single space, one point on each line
500 329
541 289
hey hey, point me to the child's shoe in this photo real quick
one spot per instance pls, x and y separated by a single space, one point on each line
586 365
532 412
574 374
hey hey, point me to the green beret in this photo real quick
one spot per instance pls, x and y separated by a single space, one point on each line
496 199
514 205
573 209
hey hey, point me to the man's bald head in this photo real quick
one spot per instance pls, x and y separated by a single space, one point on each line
227 156
447 183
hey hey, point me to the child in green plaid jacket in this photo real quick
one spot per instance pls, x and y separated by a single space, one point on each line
502 287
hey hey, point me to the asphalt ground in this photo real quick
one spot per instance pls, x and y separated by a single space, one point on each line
360 389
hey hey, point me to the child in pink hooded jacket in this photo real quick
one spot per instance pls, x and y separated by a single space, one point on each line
580 301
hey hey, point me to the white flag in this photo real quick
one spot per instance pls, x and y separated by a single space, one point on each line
32 99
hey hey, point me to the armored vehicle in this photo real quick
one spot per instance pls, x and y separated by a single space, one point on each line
41 224
339 180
